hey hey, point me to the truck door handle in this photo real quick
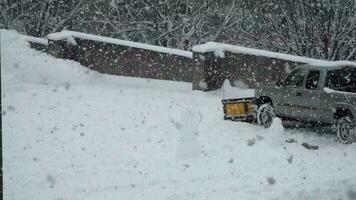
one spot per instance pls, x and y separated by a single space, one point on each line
298 94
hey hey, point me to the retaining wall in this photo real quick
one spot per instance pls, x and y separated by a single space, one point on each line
205 71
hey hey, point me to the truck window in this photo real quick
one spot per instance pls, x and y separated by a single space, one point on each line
313 80
342 80
296 78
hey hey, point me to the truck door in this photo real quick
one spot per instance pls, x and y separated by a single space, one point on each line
303 100
291 96
310 106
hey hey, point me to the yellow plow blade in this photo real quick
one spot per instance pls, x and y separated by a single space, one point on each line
242 109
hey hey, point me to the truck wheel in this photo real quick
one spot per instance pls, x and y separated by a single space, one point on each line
265 115
346 130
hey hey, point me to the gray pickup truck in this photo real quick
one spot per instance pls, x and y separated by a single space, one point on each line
317 94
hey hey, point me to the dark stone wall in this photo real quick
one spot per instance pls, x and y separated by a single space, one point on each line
125 61
38 46
251 70
205 71
209 73
255 70
62 49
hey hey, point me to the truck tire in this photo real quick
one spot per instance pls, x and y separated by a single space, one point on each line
346 130
265 115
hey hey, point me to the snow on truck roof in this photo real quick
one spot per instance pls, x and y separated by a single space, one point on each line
220 48
69 35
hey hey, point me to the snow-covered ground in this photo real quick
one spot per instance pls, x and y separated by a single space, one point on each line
70 133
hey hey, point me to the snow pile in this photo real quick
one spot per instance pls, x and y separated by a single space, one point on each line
70 35
227 85
240 84
276 132
277 126
37 67
230 92
220 48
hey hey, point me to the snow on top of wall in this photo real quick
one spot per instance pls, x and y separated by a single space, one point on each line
69 35
217 48
214 46
339 63
36 40
330 91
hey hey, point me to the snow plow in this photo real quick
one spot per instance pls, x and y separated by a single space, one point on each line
241 109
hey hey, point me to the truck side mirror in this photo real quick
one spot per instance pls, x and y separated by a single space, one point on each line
279 83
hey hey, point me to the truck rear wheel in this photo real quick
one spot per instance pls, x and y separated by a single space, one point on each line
265 115
346 130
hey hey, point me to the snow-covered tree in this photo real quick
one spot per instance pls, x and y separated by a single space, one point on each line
38 18
315 28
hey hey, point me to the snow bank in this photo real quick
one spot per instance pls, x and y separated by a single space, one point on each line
21 63
219 48
69 35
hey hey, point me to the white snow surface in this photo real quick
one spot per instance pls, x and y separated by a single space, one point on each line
43 41
340 63
329 90
69 35
220 48
70 133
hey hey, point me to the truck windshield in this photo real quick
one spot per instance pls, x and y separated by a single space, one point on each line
342 80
